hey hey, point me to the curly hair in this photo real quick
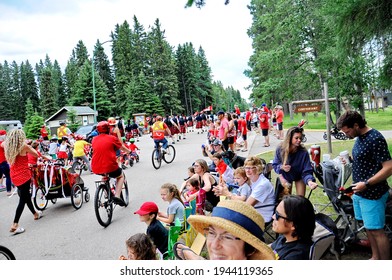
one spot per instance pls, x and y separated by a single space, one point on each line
142 247
13 145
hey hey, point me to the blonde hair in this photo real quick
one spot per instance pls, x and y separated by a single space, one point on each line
13 145
255 161
174 190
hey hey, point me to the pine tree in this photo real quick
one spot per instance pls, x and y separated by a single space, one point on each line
6 103
28 85
47 90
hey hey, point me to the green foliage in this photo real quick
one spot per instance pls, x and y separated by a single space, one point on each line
33 122
72 121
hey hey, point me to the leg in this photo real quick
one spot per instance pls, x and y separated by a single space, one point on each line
379 243
85 159
119 184
300 187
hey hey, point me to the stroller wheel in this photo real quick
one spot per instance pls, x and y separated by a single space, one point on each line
342 246
87 197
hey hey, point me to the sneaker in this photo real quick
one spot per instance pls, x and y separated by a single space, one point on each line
164 151
173 142
244 150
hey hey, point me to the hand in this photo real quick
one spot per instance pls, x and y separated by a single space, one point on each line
359 187
312 185
286 167
122 257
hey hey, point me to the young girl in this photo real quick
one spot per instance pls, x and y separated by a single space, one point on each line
63 150
194 192
139 247
53 148
170 193
242 181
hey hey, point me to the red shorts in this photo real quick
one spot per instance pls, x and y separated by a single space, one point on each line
62 155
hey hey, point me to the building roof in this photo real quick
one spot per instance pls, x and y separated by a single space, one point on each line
80 110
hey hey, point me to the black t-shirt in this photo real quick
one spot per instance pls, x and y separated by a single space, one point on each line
159 235
295 250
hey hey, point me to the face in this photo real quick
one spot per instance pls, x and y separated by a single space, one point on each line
197 168
222 245
351 132
220 116
131 254
190 187
216 147
250 170
296 139
166 195
239 180
144 218
280 223
216 161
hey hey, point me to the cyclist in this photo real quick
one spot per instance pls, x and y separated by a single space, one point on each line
104 159
115 131
79 150
158 133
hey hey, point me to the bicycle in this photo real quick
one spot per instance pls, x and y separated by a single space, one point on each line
103 201
6 254
79 165
158 155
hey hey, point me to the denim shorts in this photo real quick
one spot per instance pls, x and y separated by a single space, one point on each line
372 212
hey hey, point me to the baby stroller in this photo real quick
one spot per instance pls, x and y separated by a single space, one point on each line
52 181
301 124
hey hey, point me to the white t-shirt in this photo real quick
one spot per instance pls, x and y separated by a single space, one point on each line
263 192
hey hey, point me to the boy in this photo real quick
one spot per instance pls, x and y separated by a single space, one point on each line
156 231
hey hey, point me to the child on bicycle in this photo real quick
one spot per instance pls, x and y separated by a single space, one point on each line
104 159
148 213
175 210
79 150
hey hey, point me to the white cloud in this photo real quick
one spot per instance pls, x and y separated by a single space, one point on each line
32 29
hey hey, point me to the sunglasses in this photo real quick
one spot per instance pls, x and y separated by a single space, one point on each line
278 216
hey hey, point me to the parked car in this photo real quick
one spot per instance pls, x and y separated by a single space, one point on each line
86 130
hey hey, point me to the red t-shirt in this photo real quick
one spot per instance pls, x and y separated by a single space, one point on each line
44 133
104 156
242 126
20 171
279 116
32 159
248 115
2 154
264 121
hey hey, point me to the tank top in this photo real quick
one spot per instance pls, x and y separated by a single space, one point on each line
20 172
210 195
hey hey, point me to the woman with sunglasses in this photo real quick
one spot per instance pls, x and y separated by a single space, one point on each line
292 162
294 221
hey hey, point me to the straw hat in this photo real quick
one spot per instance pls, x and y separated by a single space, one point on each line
239 219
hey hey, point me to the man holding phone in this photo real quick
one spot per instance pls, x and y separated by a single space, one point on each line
372 165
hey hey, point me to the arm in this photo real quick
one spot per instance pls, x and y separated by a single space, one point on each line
384 173
168 219
30 150
207 183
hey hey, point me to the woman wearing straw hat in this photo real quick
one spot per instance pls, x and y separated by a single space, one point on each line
234 231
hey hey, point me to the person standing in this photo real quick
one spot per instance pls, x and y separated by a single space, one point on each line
4 166
279 121
223 130
265 126
44 132
243 131
372 165
16 151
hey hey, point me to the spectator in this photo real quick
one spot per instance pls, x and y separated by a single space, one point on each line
234 231
279 121
265 126
148 214
292 162
223 130
175 210
372 166
243 132
294 220
262 196
139 247
4 166
242 181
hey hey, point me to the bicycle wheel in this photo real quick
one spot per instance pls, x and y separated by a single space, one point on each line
125 192
6 254
40 201
325 136
102 206
77 167
170 154
77 196
156 158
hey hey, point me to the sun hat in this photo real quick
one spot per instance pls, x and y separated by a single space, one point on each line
240 219
147 208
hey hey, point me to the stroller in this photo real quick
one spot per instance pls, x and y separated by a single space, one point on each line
52 180
301 124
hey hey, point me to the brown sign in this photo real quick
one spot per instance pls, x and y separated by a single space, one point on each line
307 108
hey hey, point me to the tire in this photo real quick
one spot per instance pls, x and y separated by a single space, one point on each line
130 162
54 200
125 192
156 159
77 196
170 155
40 201
77 167
87 197
342 136
6 254
325 136
304 139
102 206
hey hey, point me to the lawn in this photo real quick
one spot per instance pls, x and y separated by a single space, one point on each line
380 121
317 196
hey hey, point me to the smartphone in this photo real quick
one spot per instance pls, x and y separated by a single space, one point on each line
349 189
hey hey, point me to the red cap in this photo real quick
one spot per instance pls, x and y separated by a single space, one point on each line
147 208
3 132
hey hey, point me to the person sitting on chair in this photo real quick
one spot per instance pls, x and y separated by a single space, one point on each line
294 220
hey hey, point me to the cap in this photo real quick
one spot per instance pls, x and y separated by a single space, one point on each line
217 142
147 208
263 105
3 132
221 112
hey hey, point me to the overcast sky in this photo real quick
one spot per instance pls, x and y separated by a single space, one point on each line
30 29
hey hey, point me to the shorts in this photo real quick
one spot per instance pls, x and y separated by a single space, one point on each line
280 126
118 153
244 136
230 140
114 174
265 131
372 212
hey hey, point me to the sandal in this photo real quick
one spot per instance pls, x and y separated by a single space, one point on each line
178 257
39 215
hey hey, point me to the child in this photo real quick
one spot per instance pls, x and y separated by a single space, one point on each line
225 171
175 210
53 147
242 181
191 172
148 213
194 192
139 247
63 150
